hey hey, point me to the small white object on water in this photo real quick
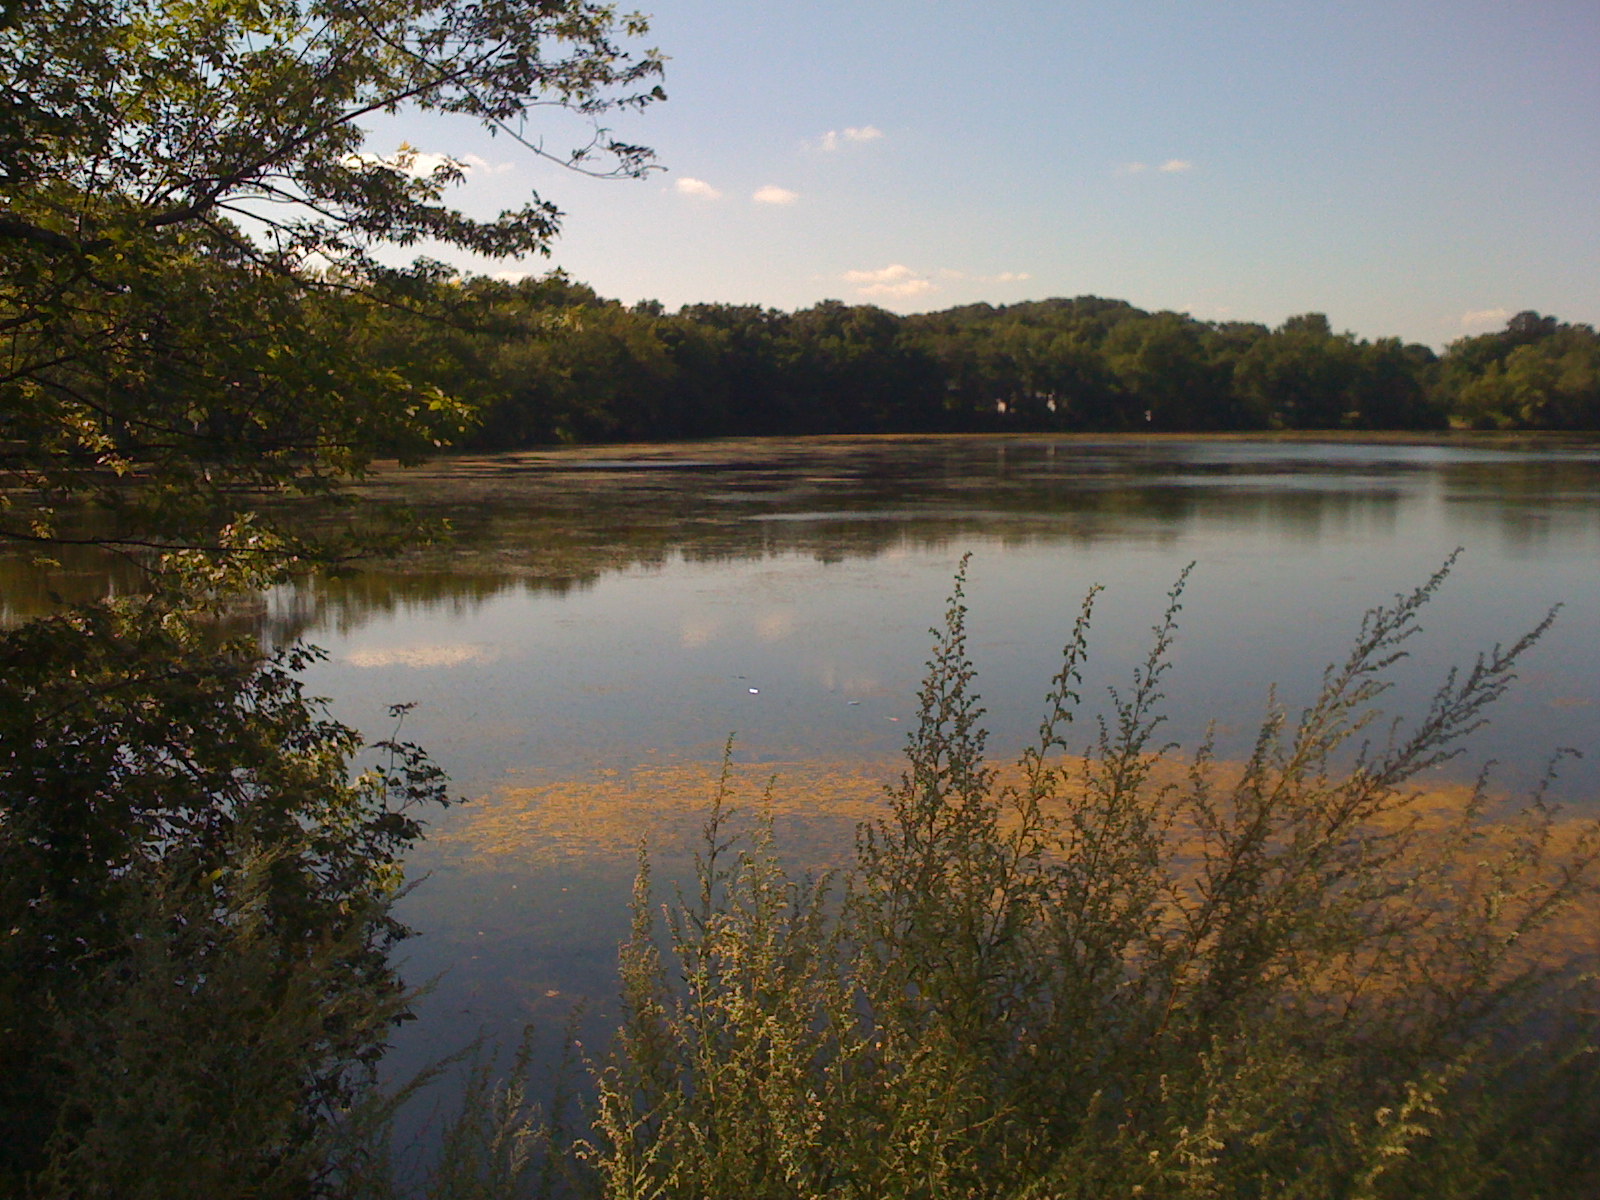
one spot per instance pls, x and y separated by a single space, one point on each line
755 691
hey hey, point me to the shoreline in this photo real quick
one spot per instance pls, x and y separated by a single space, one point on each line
731 450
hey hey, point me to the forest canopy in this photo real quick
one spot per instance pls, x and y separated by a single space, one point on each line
546 360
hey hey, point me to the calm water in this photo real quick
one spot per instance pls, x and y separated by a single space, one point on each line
601 621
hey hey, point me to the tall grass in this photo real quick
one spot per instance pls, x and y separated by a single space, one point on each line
1102 976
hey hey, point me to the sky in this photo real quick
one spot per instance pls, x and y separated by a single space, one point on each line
1413 169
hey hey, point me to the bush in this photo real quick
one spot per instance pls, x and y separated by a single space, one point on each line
195 974
1110 975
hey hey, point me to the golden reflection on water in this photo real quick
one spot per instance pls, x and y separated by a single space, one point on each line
817 807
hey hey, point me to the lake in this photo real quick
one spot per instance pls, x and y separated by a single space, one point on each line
600 621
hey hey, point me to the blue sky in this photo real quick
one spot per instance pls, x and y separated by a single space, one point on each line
1412 169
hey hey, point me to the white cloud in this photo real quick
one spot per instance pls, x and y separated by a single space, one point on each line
511 276
397 162
474 165
772 194
902 290
1173 166
1485 318
900 281
689 186
423 163
893 273
1002 277
896 280
834 138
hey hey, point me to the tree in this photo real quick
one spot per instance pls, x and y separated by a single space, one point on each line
1537 373
1300 377
732 353
850 371
186 195
1553 383
1162 362
195 893
194 908
1387 390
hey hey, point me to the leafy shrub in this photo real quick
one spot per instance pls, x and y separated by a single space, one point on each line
1106 976
195 977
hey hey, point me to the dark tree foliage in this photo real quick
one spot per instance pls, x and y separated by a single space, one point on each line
195 920
548 360
171 807
188 226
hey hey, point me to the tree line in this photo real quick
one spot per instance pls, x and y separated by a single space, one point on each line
546 360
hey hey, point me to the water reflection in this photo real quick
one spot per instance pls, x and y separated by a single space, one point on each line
551 524
597 621
555 522
30 587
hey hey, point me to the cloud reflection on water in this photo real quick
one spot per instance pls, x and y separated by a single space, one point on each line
425 656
